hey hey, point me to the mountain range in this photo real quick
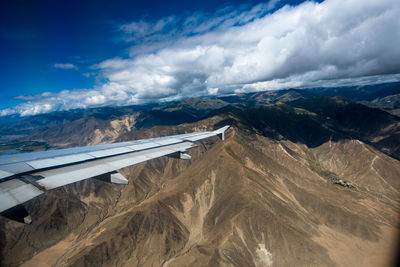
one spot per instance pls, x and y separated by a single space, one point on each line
305 177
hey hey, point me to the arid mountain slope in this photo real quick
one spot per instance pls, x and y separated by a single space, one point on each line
253 200
56 125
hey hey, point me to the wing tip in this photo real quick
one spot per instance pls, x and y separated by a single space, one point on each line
221 132
222 129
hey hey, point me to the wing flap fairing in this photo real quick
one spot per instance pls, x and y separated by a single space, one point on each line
15 192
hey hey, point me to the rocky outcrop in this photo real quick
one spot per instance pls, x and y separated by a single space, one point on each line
248 201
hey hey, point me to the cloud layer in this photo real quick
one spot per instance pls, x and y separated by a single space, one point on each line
336 42
65 66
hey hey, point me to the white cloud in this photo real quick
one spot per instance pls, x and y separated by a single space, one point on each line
336 42
48 102
190 24
65 66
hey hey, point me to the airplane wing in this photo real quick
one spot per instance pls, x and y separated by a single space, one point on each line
28 175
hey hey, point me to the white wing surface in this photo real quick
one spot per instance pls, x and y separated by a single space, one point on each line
27 175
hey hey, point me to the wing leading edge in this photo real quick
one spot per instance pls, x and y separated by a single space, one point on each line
28 175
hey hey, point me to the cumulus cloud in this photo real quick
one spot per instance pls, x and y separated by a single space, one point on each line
65 66
64 100
333 43
193 24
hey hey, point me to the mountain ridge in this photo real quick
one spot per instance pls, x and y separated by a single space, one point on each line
269 195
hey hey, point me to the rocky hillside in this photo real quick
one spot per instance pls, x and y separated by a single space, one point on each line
304 178
290 186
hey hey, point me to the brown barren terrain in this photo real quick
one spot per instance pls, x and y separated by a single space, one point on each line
248 201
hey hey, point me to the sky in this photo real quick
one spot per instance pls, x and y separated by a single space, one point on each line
61 55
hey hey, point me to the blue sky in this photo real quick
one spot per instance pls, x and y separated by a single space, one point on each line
37 35
59 55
